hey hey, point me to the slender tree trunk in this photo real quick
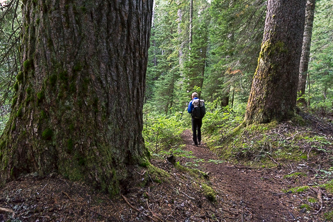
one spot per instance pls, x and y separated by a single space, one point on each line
233 97
78 106
225 98
274 87
191 23
304 64
181 44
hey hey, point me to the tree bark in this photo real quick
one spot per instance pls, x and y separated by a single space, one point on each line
191 24
78 106
274 86
304 64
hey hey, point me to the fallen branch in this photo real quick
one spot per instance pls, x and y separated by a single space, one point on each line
154 215
192 198
135 208
8 211
319 194
273 160
67 196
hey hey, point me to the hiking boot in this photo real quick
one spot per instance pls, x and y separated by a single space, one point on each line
193 144
199 143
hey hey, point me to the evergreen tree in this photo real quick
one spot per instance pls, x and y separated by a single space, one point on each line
78 105
235 35
274 87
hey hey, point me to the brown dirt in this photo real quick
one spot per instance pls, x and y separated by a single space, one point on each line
243 194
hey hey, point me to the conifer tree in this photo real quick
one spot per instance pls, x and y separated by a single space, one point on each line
79 94
274 87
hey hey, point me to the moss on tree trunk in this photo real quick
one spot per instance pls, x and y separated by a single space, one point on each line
78 106
274 86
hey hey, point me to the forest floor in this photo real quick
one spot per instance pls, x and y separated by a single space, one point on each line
200 187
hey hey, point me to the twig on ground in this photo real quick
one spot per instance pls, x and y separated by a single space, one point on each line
273 160
308 156
319 196
135 208
8 211
154 215
192 198
67 196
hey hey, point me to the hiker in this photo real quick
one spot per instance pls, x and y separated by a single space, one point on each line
197 109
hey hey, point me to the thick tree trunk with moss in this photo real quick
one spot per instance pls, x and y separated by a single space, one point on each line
78 106
304 64
274 87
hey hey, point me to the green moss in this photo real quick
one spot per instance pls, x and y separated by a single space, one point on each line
63 76
27 64
47 134
14 101
71 127
329 215
19 77
53 79
114 188
70 146
19 112
13 127
157 174
29 90
81 160
40 96
77 67
298 189
42 114
144 163
209 192
312 200
328 186
295 175
72 87
83 9
16 86
307 207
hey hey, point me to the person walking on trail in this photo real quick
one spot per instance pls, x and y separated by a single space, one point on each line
196 108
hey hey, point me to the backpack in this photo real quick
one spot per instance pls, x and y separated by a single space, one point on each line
199 110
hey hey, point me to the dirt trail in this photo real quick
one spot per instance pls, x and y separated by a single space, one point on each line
256 193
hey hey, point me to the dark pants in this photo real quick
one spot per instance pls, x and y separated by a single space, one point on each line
196 126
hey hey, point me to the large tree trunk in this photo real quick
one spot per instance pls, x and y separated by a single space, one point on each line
274 87
303 68
78 109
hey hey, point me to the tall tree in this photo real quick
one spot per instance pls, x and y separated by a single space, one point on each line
304 64
274 86
235 35
79 99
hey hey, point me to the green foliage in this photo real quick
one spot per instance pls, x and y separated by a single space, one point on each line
328 186
162 132
321 62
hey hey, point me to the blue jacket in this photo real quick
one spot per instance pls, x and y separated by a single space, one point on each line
190 106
